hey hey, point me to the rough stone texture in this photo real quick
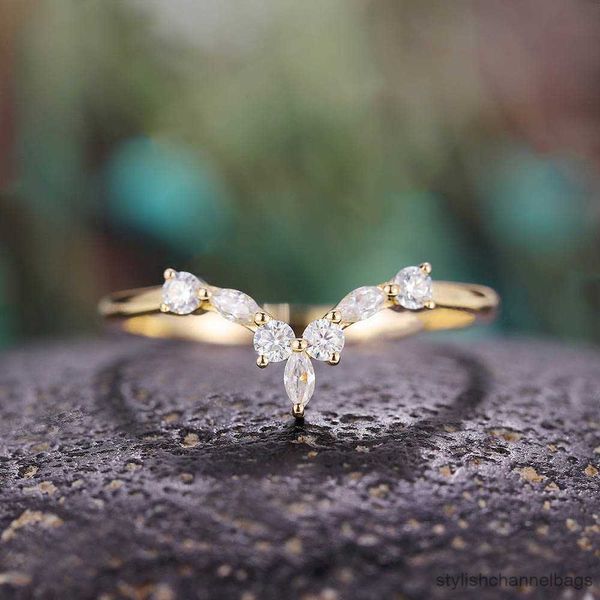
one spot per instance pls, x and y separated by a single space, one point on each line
158 470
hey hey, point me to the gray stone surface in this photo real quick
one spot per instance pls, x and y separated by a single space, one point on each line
158 470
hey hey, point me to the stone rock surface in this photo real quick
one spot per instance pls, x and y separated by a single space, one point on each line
157 470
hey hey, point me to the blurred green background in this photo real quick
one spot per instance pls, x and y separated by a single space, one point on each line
297 150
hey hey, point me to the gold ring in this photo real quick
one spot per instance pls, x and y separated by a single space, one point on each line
188 307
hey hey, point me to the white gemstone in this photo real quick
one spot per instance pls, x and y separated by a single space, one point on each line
324 338
361 303
273 340
299 378
180 293
415 287
235 306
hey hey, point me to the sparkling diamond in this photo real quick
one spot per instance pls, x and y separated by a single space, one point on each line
235 306
274 340
299 378
361 303
415 287
180 293
324 338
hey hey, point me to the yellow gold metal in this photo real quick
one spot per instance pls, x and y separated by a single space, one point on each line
452 305
299 345
391 290
334 359
457 305
425 268
261 317
335 316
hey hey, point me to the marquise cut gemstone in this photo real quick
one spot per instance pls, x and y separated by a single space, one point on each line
361 303
299 378
415 288
273 340
235 306
180 293
324 338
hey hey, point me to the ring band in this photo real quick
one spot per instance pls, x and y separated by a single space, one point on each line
187 307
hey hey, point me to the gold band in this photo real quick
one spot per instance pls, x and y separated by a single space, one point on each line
457 305
408 303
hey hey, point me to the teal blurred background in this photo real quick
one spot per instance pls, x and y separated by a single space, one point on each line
297 150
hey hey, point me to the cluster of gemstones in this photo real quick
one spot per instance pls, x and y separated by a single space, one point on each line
275 341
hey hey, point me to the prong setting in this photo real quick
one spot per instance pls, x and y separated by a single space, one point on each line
299 345
415 287
425 268
261 318
298 411
335 316
391 290
203 294
274 340
334 359
323 337
180 292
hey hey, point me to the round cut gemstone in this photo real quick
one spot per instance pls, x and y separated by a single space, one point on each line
235 306
415 288
324 338
273 340
180 293
299 378
361 303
